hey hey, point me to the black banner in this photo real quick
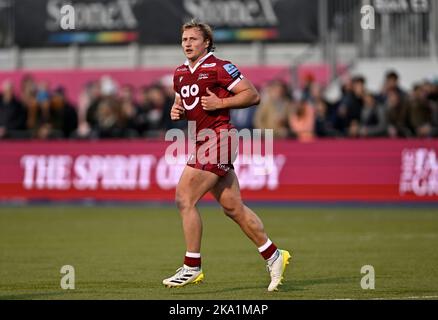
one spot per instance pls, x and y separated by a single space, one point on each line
40 23
6 23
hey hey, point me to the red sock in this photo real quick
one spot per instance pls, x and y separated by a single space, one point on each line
268 249
192 259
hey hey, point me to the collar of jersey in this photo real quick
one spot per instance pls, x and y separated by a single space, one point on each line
198 63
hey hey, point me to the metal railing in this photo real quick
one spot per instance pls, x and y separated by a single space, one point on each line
403 33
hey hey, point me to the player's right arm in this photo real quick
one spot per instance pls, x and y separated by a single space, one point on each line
177 112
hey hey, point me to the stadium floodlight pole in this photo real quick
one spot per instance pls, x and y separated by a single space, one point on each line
323 27
433 31
333 35
16 57
134 54
260 52
366 36
74 56
386 35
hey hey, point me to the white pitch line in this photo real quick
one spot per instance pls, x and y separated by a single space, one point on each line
410 298
395 298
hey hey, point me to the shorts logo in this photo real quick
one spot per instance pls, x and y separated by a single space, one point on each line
232 70
223 167
209 65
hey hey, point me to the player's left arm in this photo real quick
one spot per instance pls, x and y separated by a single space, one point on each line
245 95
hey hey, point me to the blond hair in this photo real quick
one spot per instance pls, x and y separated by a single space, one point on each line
205 29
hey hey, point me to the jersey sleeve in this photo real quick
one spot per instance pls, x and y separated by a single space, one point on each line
228 75
175 87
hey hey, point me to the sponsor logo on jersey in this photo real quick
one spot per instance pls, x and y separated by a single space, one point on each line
232 70
209 65
203 76
182 69
188 92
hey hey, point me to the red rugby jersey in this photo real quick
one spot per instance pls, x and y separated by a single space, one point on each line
191 84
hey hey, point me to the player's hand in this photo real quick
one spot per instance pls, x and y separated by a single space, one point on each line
177 112
211 102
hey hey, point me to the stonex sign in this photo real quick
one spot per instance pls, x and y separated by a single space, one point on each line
329 170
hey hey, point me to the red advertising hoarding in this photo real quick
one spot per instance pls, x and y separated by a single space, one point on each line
332 170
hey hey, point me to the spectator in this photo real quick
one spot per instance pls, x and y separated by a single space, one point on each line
141 120
56 118
391 83
28 97
129 110
431 89
107 89
302 121
340 120
89 99
274 109
12 113
154 108
432 97
325 112
397 115
324 127
353 106
309 82
65 114
373 118
42 122
109 121
420 112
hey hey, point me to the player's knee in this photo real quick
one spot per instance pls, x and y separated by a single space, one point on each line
182 202
233 209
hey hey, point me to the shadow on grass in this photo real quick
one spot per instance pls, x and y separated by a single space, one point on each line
181 291
313 282
288 286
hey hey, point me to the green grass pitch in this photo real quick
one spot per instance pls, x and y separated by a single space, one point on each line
124 252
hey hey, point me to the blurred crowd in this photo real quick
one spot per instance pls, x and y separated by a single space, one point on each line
104 110
107 110
358 113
